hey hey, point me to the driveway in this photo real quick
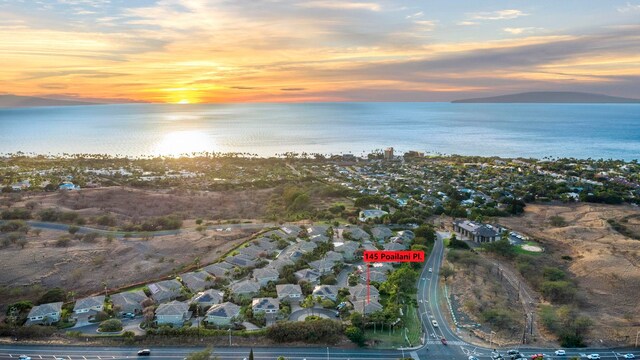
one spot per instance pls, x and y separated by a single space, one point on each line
300 315
127 325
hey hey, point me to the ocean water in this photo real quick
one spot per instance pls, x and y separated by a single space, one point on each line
508 130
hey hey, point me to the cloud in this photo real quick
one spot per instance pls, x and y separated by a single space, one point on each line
499 15
629 7
425 25
467 23
53 86
419 14
522 30
293 89
243 87
340 5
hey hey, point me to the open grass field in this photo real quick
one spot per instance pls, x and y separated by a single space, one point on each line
604 262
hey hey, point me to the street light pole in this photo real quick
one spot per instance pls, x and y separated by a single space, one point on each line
327 353
229 337
638 333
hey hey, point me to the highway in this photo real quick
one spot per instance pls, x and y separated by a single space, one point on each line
429 309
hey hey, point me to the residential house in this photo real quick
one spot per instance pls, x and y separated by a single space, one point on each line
355 233
368 246
334 256
266 244
366 307
252 252
381 233
476 232
326 292
129 302
309 275
221 269
394 246
247 288
371 214
265 305
289 292
68 186
173 313
306 246
89 306
281 262
348 250
359 292
240 261
318 238
264 275
207 298
406 234
44 314
291 230
166 290
197 280
323 266
222 314
376 275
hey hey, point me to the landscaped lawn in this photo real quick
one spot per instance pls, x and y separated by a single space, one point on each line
396 338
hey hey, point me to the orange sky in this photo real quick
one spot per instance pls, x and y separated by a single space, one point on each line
214 51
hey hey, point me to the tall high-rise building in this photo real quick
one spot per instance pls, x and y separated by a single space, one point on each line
388 153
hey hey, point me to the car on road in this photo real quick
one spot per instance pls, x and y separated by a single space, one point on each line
517 356
593 356
24 357
144 352
443 341
560 352
424 279
430 270
129 315
496 356
472 358
513 352
537 356
59 358
434 323
629 356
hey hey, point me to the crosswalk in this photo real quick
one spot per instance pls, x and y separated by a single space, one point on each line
437 342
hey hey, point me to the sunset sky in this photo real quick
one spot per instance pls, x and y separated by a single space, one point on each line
317 50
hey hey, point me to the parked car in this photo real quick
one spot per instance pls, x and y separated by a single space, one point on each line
129 315
629 356
434 323
443 341
561 352
144 352
593 356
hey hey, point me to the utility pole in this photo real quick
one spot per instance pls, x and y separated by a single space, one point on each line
229 337
531 325
637 334
327 353
524 330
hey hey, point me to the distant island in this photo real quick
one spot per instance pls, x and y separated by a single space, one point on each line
551 97
13 101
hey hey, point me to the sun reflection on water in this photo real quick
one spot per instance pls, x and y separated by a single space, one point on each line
178 143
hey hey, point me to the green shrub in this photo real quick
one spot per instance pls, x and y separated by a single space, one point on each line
111 325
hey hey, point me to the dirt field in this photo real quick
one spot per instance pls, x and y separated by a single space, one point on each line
85 267
130 203
605 263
